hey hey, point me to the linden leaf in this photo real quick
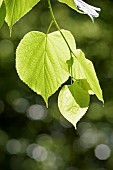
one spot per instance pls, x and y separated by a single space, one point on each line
41 61
73 102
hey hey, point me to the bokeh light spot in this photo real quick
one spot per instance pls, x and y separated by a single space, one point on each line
37 112
20 105
13 146
37 152
102 152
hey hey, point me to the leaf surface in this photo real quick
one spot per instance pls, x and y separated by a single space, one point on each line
15 9
84 69
73 102
41 61
1 2
2 14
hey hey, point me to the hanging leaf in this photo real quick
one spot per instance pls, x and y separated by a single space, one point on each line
2 14
73 102
84 69
15 9
41 61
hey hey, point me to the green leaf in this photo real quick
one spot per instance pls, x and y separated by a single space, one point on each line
84 69
2 14
15 9
41 61
1 1
73 102
85 85
71 4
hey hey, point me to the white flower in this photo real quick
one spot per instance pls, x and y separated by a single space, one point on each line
88 9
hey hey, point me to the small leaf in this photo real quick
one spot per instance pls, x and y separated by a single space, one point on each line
84 69
2 14
73 102
41 61
15 9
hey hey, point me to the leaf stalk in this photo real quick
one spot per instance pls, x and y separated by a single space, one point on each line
57 26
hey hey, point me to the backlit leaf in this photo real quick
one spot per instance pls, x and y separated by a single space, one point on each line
15 9
73 102
2 14
41 61
84 69
1 2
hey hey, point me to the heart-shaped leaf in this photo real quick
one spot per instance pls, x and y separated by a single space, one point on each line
73 102
41 61
15 9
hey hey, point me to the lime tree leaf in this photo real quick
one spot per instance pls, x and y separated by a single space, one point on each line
2 14
80 93
15 9
84 69
85 85
1 2
73 102
41 61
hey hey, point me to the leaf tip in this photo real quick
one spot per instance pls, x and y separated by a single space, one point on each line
10 30
46 101
75 127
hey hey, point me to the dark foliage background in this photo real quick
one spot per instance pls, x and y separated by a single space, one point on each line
33 137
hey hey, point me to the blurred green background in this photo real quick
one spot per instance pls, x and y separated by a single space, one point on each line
33 137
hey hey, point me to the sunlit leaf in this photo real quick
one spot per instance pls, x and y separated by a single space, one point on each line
84 69
73 102
41 61
2 14
1 2
15 9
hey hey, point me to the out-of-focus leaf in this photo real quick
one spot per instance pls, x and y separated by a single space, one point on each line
73 102
41 61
